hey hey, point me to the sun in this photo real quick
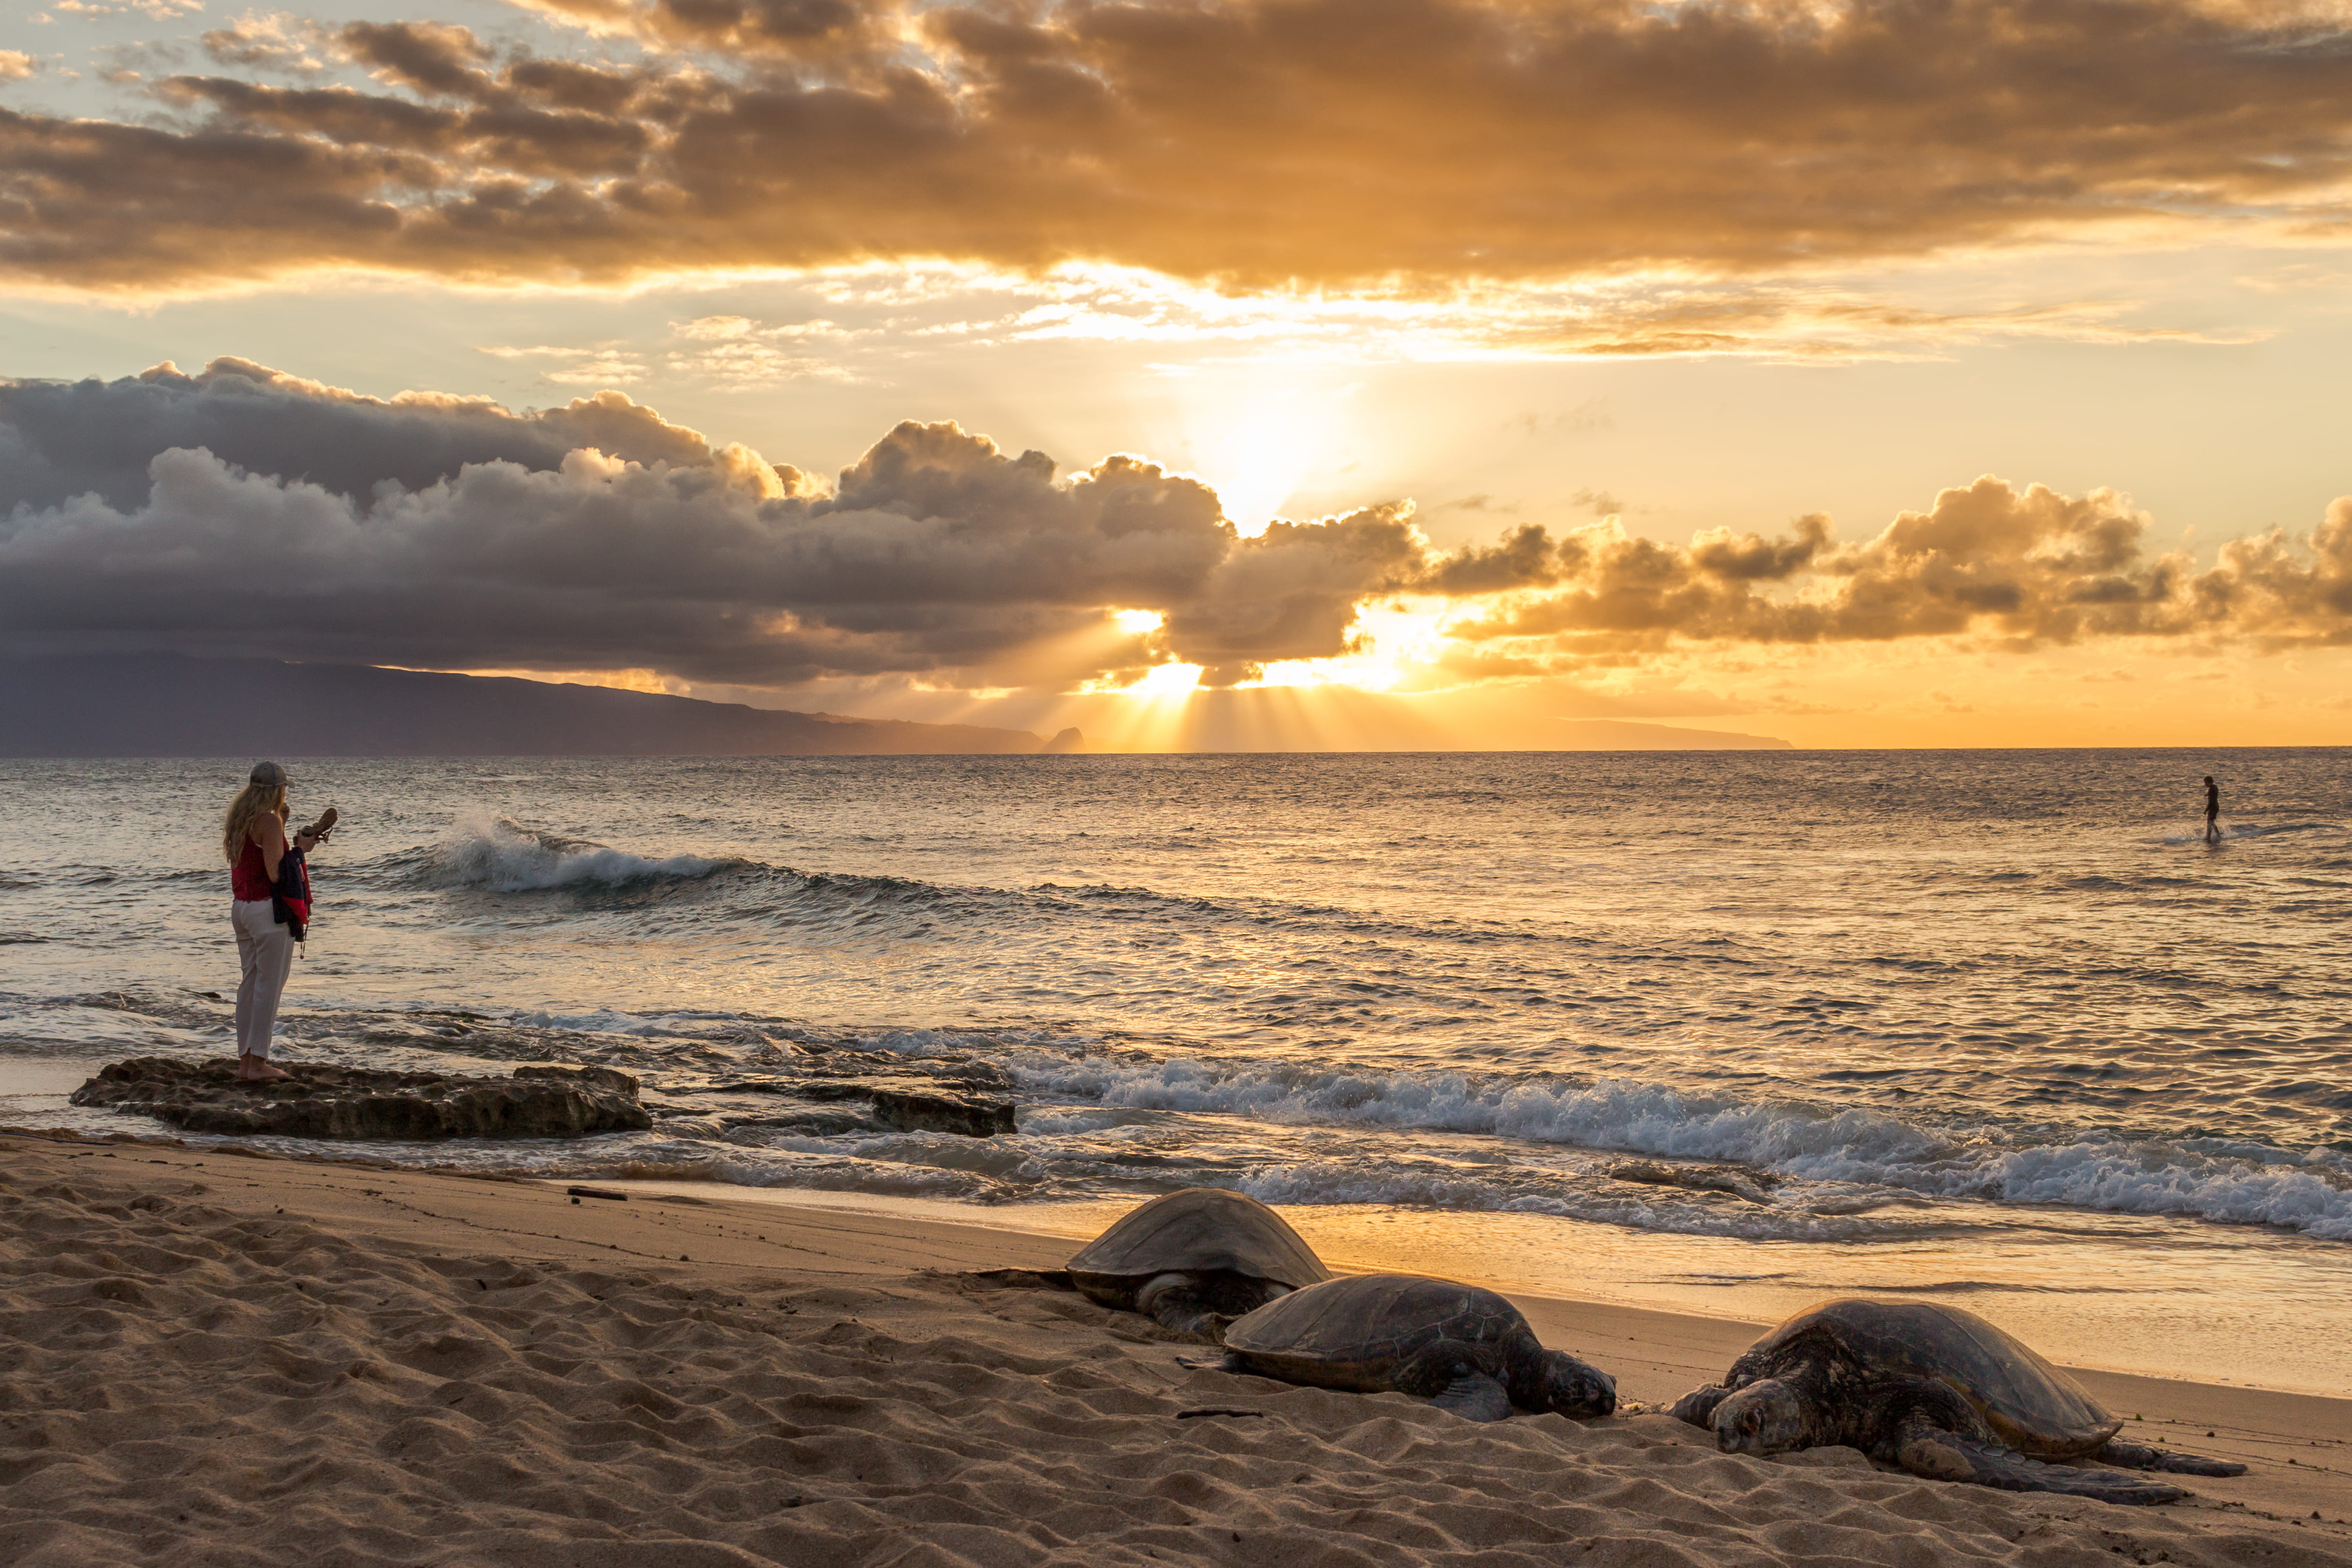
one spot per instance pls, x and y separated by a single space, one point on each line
1257 447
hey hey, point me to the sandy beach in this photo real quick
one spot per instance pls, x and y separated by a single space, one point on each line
214 1358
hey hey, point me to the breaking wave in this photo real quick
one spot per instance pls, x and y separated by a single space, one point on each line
2232 1180
499 856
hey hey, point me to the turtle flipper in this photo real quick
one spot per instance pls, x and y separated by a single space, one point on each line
1178 1303
1230 1361
2139 1456
1474 1396
1697 1407
1945 1456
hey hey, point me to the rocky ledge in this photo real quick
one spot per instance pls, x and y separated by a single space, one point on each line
321 1101
1740 1180
903 1104
934 1111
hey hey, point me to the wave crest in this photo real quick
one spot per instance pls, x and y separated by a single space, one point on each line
2228 1181
501 856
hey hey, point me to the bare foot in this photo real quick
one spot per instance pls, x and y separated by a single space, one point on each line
249 1070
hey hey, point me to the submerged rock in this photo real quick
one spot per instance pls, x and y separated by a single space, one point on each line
1754 1186
934 1111
321 1102
941 1104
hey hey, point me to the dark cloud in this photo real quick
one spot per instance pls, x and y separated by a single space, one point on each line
1292 592
429 57
1330 141
598 564
450 532
59 439
246 511
1526 556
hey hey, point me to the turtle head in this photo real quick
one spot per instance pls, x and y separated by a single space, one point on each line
1765 1417
1574 1389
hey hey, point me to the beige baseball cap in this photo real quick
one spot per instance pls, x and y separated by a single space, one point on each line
269 776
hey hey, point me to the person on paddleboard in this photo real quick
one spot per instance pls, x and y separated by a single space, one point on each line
2212 809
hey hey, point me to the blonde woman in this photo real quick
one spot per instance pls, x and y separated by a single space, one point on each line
253 841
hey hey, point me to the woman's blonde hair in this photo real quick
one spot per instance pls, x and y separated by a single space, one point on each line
252 803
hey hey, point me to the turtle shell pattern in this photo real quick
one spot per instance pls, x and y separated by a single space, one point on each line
2030 1404
1199 1230
1353 1333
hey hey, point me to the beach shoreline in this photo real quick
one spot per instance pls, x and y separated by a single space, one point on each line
1938 1039
262 1356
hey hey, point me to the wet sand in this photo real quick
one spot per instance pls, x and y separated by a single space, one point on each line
215 1358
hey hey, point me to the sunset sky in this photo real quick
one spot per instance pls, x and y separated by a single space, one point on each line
1318 373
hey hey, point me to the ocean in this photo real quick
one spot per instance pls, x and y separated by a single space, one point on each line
1996 1028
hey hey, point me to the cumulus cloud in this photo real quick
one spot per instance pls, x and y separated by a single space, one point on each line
693 575
1411 145
244 510
450 532
59 439
2025 567
1293 591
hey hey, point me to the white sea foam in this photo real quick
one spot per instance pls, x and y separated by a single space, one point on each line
504 858
612 1021
1851 1160
2309 1193
1313 1183
1007 1160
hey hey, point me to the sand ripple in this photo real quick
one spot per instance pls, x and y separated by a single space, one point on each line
182 1383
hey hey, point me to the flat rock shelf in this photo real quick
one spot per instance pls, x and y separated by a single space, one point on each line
319 1102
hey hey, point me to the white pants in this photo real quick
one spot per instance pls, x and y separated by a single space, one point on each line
264 952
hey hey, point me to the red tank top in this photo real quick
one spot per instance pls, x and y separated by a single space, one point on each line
248 879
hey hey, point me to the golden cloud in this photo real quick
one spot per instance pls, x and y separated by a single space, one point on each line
241 511
1411 144
2023 567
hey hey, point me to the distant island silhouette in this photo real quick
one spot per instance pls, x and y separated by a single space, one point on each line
1628 735
171 705
166 705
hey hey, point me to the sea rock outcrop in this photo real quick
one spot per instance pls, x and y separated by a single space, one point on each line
932 1111
323 1102
908 1104
1754 1186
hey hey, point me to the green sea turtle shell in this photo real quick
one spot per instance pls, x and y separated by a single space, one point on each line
1353 1333
1199 1230
2030 1405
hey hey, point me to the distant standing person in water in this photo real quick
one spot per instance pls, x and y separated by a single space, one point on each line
2212 809
253 841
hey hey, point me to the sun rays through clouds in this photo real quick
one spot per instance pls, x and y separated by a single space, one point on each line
1310 362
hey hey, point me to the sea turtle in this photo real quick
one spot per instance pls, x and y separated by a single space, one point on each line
1195 1259
1939 1391
1464 1349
